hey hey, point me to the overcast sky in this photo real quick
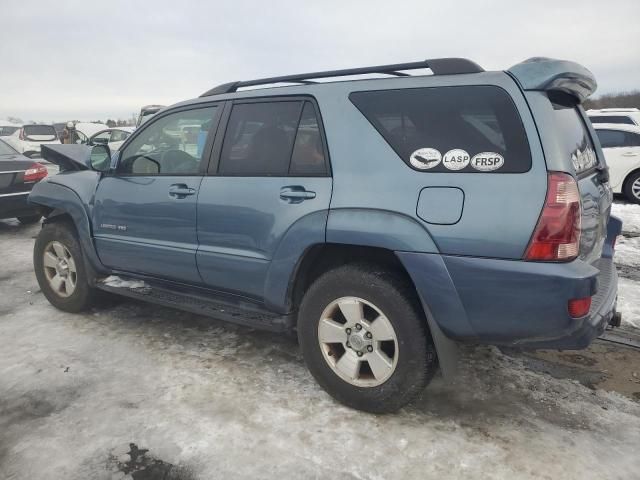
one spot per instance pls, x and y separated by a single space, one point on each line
93 60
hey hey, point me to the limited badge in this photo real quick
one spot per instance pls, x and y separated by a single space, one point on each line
456 159
487 161
425 158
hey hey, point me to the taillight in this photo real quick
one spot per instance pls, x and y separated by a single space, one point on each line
557 235
35 172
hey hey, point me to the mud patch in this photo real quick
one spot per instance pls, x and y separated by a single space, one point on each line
632 272
139 465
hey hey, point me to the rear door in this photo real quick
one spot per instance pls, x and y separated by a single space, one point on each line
144 217
575 138
622 151
269 179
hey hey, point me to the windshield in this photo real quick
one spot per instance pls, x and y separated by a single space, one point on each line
6 130
39 132
6 149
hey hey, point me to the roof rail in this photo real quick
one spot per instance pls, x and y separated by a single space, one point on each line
439 66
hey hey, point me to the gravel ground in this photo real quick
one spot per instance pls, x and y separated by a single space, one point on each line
132 390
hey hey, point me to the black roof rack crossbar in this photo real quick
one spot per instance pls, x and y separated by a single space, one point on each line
439 66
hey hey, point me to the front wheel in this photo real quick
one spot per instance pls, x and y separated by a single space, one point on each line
59 268
364 338
632 188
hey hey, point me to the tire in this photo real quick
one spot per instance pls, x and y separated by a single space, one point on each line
60 240
632 187
29 219
411 352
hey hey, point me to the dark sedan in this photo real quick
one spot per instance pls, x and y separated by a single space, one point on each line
18 175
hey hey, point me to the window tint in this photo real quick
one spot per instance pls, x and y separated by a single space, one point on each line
308 152
573 134
259 138
611 119
171 145
611 138
426 123
632 140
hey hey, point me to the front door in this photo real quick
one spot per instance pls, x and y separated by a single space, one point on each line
144 218
268 198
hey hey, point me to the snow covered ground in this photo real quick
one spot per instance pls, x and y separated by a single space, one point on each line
82 395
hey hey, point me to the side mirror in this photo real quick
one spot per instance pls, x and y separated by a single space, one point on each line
100 159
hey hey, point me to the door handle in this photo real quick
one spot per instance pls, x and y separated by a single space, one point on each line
180 190
296 194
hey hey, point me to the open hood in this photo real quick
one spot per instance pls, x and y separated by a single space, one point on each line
68 157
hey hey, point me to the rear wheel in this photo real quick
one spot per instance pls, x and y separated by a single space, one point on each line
29 219
364 338
632 187
59 268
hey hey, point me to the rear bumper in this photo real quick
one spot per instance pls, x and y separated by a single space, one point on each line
515 303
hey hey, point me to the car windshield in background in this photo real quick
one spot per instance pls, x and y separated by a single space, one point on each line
39 132
6 149
574 135
470 129
611 119
6 131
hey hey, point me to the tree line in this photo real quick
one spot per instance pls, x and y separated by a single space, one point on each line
615 100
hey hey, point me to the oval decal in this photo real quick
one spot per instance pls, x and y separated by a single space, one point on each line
487 161
425 158
456 159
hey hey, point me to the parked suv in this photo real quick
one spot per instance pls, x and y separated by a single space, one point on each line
383 219
621 146
28 139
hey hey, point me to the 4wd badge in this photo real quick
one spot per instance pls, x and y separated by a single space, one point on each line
425 158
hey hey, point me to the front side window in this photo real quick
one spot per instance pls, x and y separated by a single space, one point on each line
443 129
171 145
119 136
102 138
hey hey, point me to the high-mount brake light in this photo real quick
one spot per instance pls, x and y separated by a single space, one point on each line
557 234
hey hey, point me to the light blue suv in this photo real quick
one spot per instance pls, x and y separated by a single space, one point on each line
384 219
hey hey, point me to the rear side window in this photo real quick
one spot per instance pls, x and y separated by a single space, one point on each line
612 119
276 138
444 129
617 138
39 132
573 134
6 131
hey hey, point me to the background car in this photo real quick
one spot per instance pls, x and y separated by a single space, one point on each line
621 146
86 130
28 138
7 128
113 137
18 175
628 116
147 112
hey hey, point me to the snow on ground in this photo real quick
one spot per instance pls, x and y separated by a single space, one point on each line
220 401
630 215
627 259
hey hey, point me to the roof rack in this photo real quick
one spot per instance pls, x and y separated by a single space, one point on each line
439 66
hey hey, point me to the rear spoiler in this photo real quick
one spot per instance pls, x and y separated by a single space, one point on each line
548 74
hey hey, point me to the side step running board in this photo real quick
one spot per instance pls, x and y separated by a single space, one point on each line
239 312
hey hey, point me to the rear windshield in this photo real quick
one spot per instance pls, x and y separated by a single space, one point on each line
474 129
611 119
6 149
42 132
6 131
573 135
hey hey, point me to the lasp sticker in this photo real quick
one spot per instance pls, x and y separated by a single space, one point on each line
487 161
456 159
425 158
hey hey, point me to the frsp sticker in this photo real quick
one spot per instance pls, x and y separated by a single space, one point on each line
425 158
456 159
487 161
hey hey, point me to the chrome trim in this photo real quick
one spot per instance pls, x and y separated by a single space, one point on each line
13 171
13 194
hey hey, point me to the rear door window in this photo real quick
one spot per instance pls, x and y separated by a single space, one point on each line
274 138
611 138
471 129
573 134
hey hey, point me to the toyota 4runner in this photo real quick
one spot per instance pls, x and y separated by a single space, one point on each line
383 219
